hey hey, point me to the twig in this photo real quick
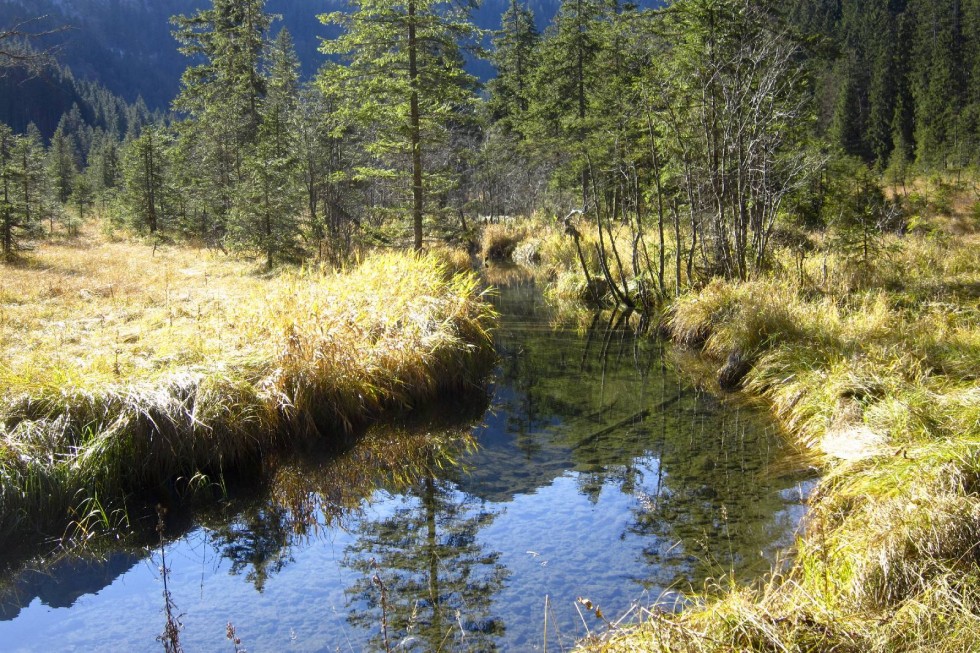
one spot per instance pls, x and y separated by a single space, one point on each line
376 579
170 638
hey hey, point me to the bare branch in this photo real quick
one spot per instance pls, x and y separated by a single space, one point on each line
17 51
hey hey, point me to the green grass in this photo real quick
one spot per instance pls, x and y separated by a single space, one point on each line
189 367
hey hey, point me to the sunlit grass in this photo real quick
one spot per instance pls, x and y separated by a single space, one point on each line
874 368
124 368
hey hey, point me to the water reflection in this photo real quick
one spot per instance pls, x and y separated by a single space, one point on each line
595 472
425 577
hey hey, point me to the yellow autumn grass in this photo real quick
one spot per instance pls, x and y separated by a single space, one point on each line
123 367
875 368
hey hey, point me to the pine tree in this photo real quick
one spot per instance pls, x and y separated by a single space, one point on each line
144 173
514 46
565 79
937 84
884 80
266 211
221 97
62 163
404 81
21 183
33 181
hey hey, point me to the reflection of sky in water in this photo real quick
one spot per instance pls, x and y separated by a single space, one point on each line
555 542
570 511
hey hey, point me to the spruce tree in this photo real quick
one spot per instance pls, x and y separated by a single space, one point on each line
62 163
405 87
144 173
221 99
565 79
514 46
937 84
266 211
33 180
21 180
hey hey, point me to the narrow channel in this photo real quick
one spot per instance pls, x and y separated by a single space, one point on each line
590 470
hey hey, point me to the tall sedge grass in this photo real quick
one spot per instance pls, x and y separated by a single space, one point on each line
124 369
877 371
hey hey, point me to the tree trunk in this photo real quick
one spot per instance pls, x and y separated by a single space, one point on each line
415 127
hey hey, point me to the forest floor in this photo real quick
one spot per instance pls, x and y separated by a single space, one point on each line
873 367
126 366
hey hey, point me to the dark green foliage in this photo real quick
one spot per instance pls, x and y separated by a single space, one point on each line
402 86
514 46
221 97
266 205
856 210
63 163
22 184
144 172
898 74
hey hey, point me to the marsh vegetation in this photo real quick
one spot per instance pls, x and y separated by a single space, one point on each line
137 370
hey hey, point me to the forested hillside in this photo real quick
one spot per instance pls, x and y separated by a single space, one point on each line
896 80
127 46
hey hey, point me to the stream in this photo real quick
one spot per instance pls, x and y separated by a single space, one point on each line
588 470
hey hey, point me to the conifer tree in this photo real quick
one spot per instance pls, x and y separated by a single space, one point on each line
405 87
936 80
221 97
20 185
566 78
32 188
266 211
62 163
144 170
514 46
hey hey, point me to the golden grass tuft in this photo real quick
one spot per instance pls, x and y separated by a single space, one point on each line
498 241
884 361
126 368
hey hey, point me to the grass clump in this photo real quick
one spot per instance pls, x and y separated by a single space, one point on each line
499 241
125 369
876 373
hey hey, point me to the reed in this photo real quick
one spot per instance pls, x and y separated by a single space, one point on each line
126 369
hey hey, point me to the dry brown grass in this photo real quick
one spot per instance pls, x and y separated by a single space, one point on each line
124 368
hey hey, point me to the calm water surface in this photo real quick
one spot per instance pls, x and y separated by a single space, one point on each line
593 472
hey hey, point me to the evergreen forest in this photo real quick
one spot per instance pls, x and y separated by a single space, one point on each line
727 123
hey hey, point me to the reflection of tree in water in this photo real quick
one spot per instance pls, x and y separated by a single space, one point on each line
439 581
709 504
309 494
259 540
700 472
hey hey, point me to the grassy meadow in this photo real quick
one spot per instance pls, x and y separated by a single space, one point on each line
126 368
